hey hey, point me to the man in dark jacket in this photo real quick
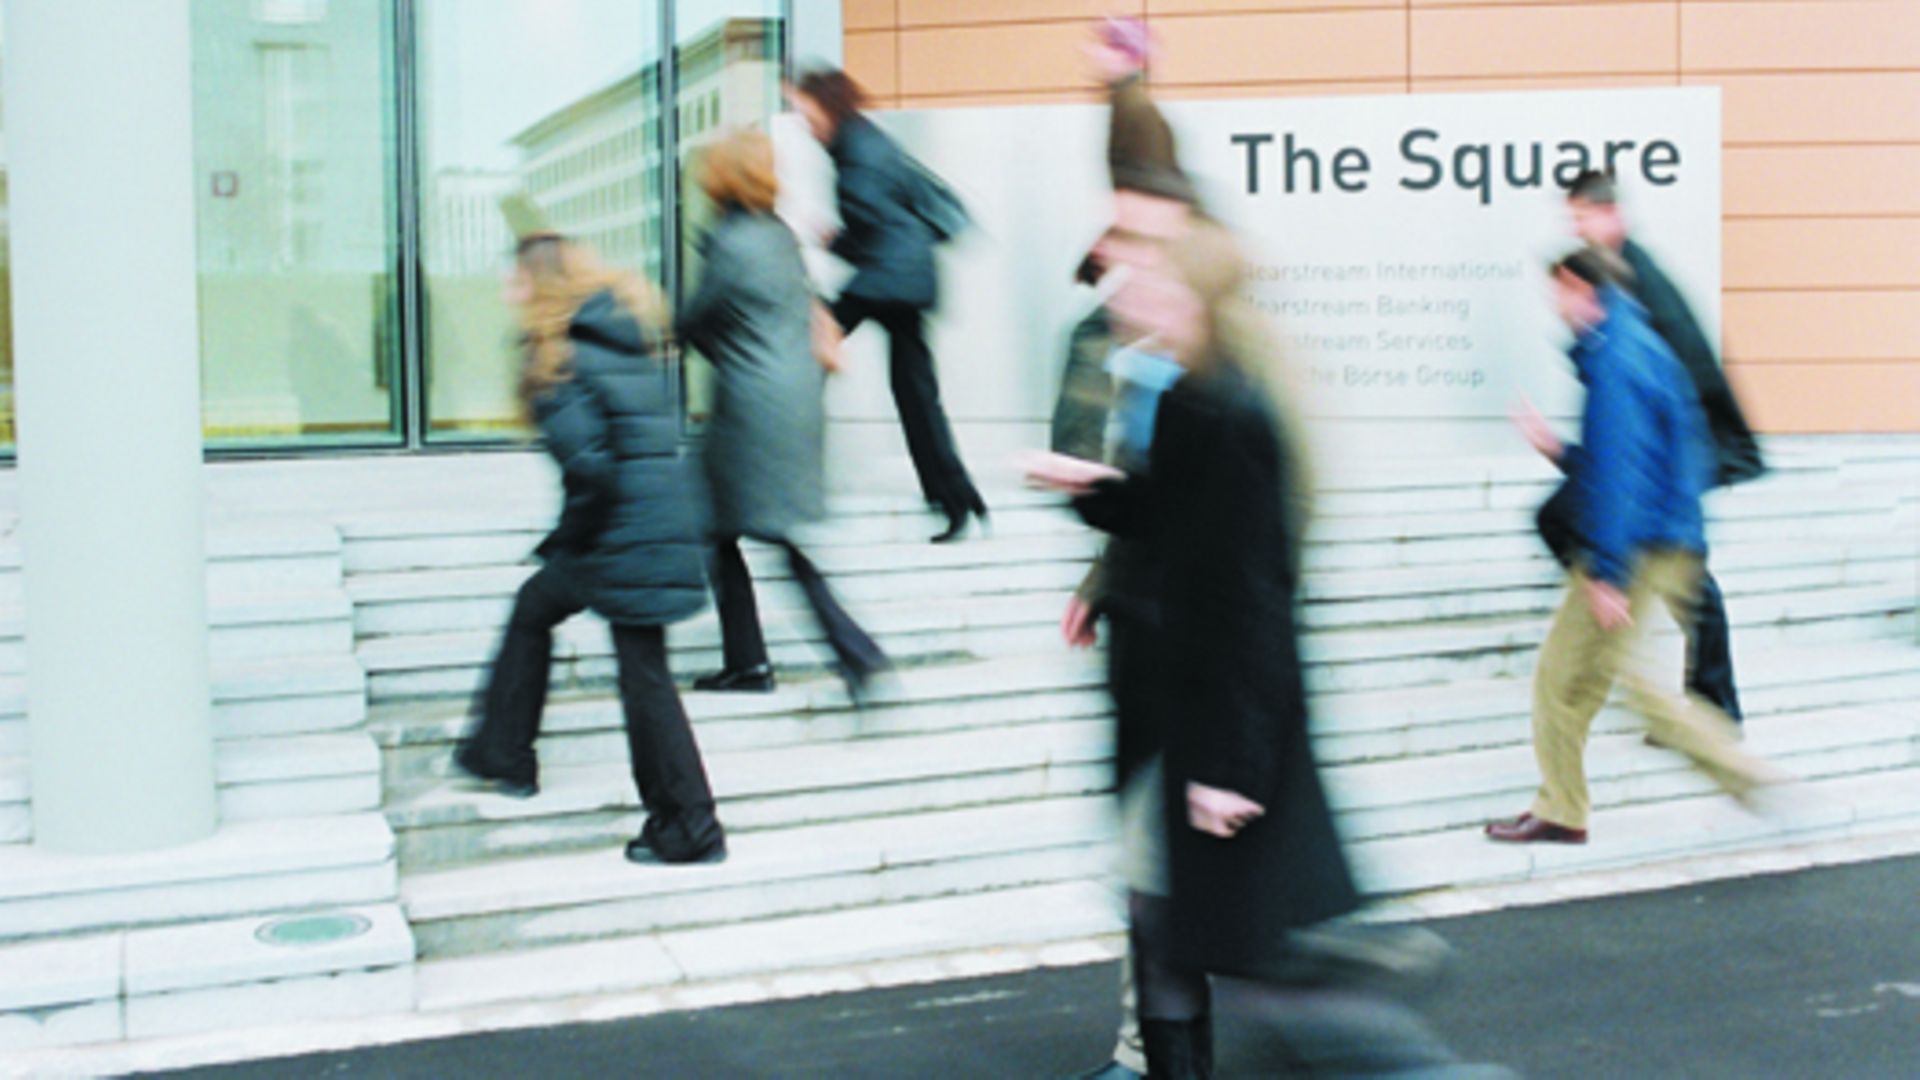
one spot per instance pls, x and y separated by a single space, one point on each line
1636 480
1595 207
894 283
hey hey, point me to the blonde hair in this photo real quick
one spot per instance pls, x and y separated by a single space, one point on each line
738 171
1210 262
563 276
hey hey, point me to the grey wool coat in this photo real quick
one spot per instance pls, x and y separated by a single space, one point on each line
751 316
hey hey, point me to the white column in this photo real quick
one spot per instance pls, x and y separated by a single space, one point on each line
99 128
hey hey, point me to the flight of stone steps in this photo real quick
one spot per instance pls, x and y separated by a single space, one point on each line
968 806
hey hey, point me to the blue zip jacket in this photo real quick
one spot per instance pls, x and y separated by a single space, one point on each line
1645 457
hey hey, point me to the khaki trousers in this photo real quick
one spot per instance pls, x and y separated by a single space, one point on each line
1578 665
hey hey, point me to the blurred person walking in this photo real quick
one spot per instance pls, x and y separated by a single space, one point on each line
1593 201
889 232
1635 478
1108 386
1109 393
627 545
753 316
1234 866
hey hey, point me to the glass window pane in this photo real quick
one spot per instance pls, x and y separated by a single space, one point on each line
294 139
728 64
523 96
6 290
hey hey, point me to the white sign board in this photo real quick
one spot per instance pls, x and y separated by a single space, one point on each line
1398 242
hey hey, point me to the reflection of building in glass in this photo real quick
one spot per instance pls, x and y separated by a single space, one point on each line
594 165
466 233
6 297
301 101
292 147
729 76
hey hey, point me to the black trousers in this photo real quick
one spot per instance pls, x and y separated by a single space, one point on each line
1318 1024
1133 656
1709 638
741 640
666 761
916 394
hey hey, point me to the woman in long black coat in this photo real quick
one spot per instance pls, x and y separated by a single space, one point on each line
628 544
1233 858
752 316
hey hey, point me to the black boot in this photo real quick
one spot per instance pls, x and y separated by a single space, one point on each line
956 525
1179 1049
754 680
468 759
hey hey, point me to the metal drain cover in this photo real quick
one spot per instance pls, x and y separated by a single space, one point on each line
313 929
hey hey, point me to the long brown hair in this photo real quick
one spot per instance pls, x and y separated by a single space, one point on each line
1210 262
562 276
837 94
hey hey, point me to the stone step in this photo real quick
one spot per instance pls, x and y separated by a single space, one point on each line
553 899
594 805
295 776
1829 807
244 868
1502 537
1027 916
917 934
910 631
1382 725
913 632
287 696
1362 658
1419 596
273 558
242 627
450 821
442 541
536 900
199 977
417 739
1770 498
1408 796
479 598
1742 522
439 539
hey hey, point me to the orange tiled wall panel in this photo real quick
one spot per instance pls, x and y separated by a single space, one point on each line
1822 118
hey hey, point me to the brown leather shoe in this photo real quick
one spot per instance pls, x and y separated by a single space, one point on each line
1527 829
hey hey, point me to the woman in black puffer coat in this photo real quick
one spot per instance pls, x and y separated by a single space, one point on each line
629 543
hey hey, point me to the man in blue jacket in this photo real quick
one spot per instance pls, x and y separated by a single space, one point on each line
1643 461
1594 204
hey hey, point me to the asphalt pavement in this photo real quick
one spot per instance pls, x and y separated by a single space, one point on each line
1813 974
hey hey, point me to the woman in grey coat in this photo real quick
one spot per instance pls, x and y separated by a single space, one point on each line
752 316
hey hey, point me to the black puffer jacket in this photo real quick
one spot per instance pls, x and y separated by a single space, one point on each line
630 532
890 247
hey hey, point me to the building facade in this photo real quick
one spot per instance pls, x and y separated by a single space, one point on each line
1821 104
349 160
